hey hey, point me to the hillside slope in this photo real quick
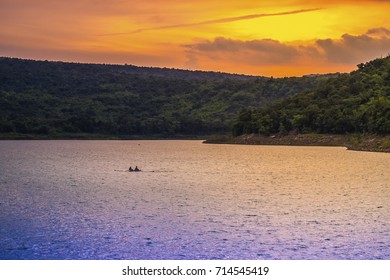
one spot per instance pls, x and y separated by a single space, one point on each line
358 102
55 98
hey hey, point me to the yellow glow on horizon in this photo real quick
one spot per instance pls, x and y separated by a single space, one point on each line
324 23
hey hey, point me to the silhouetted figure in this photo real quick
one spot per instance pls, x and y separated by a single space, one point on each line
131 169
136 169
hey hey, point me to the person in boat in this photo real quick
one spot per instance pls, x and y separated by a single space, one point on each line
136 169
131 169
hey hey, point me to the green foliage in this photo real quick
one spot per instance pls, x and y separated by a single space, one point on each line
40 97
350 103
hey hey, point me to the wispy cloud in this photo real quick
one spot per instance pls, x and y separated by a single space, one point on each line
346 50
353 49
215 21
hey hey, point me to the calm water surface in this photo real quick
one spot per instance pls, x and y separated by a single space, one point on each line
74 200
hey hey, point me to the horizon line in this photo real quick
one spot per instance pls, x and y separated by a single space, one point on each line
178 69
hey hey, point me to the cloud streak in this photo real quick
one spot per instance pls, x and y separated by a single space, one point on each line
215 21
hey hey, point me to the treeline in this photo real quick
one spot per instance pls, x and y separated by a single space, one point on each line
350 103
47 98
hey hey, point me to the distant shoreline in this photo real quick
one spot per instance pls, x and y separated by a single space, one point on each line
356 142
92 136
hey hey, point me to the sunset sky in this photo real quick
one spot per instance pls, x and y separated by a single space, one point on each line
268 38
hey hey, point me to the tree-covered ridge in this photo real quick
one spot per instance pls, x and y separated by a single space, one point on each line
350 103
40 97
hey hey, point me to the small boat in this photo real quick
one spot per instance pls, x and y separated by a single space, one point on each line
136 169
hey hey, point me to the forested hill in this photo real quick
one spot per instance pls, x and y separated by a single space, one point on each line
56 98
358 102
45 67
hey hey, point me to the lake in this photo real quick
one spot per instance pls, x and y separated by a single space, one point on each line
75 200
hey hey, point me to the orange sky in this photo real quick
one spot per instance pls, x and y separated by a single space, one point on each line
269 38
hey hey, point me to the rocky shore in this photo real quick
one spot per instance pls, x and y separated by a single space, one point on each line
357 142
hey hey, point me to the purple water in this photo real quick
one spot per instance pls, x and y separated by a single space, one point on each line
74 200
